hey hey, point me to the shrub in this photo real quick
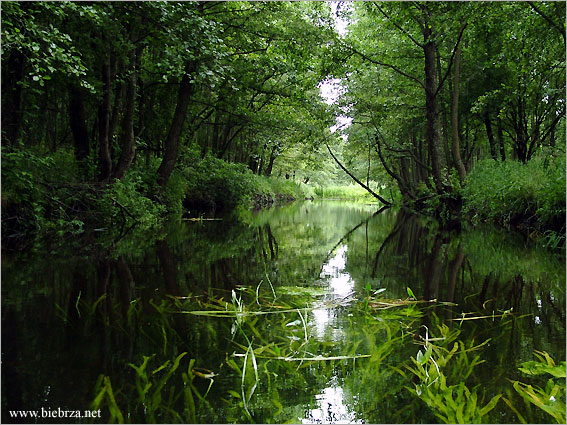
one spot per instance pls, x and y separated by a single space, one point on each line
127 202
531 194
215 185
41 192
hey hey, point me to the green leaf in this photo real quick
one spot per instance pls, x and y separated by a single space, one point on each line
234 393
537 368
411 294
490 405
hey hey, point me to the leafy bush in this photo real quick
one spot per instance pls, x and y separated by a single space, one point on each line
44 192
126 203
511 192
41 192
215 185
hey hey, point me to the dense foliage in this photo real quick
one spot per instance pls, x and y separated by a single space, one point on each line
436 87
120 111
529 194
130 109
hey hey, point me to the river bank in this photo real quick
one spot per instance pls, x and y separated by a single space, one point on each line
47 195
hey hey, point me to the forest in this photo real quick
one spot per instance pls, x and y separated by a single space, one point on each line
235 211
126 112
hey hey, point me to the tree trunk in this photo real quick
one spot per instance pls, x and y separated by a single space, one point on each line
490 135
78 123
12 94
443 111
368 166
433 133
268 171
455 117
105 160
500 139
552 137
406 191
172 141
128 139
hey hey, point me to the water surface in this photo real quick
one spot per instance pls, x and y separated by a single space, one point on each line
298 314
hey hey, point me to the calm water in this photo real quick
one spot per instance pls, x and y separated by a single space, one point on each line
295 314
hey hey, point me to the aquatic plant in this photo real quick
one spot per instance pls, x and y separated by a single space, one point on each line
549 398
442 375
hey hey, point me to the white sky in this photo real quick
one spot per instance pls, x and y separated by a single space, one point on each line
340 24
330 88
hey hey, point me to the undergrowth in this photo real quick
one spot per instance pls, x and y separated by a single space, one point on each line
512 193
44 193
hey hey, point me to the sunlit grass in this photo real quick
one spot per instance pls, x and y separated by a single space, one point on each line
351 191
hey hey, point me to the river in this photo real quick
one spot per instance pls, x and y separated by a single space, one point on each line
300 313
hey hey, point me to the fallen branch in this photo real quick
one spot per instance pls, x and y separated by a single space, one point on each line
356 180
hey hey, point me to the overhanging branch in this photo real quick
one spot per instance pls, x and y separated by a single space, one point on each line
387 65
356 180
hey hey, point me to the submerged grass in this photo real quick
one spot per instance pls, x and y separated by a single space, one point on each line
442 372
276 349
549 398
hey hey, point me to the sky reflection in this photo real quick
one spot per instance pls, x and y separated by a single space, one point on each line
331 407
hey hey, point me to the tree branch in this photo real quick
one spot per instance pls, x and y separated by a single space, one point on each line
401 184
356 180
407 34
548 19
387 65
452 58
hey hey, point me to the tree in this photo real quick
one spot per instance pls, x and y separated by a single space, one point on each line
408 63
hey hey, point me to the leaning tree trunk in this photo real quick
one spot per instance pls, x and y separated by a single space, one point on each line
352 176
455 118
171 145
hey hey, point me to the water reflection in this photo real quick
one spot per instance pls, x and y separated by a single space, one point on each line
340 281
331 407
70 317
340 285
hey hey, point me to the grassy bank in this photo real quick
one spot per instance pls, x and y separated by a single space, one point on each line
350 191
53 194
527 196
